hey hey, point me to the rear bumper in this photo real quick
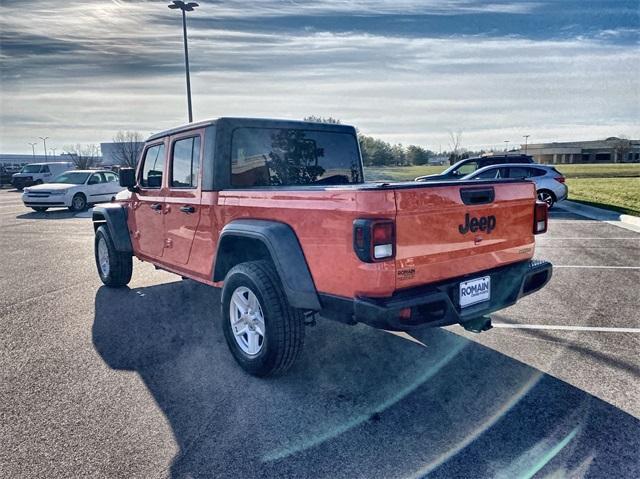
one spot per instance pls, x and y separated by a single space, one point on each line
438 304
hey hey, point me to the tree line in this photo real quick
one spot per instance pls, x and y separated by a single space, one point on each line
377 152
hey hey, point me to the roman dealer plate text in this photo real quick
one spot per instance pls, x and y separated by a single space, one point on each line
475 291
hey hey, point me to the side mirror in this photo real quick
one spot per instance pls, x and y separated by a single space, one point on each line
128 178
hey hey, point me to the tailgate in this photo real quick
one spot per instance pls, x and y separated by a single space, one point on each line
452 230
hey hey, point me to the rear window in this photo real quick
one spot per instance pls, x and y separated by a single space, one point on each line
537 171
289 157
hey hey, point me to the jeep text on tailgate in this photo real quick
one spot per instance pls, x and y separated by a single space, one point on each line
277 213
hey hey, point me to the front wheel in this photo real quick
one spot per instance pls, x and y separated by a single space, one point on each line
114 267
264 333
78 203
547 197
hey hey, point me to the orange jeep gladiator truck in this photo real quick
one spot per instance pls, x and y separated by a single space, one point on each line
277 214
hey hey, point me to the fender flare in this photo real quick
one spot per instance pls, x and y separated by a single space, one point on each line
286 253
114 215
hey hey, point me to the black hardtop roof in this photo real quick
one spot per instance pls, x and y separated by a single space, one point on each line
254 122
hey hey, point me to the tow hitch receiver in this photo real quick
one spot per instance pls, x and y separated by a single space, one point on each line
477 325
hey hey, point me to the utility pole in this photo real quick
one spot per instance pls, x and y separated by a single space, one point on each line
185 7
526 137
44 141
33 150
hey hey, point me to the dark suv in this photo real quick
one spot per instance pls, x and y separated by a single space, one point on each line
469 165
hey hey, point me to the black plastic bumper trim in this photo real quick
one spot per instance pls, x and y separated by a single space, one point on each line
437 304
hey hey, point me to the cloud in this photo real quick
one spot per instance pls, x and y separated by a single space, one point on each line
80 72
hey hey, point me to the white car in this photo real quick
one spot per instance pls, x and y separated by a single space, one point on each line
74 189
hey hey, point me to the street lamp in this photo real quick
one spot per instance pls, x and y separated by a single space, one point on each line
526 137
185 7
54 152
506 147
44 140
33 150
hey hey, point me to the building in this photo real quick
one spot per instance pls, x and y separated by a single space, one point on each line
611 150
111 152
11 160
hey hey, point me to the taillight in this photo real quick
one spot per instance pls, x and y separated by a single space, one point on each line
374 240
540 217
559 179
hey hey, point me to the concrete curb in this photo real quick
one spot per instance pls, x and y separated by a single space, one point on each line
600 214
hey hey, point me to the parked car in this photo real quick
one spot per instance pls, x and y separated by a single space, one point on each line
277 213
39 173
550 184
6 173
469 165
75 189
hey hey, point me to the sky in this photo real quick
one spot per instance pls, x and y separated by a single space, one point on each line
405 71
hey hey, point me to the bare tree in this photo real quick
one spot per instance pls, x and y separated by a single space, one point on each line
127 148
455 143
320 119
83 156
621 147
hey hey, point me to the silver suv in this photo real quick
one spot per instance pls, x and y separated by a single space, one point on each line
550 184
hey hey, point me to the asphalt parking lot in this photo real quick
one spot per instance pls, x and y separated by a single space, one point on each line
138 382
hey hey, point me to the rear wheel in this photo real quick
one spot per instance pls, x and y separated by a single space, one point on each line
264 333
114 267
40 209
79 202
548 197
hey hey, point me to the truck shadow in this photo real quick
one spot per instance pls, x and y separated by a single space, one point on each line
359 403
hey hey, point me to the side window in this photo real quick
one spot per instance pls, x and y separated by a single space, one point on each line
467 168
110 177
185 163
45 169
537 172
95 179
491 174
153 167
519 172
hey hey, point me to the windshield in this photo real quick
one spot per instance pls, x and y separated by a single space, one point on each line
31 169
72 177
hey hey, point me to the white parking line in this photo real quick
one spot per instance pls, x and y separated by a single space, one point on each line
594 267
586 239
566 328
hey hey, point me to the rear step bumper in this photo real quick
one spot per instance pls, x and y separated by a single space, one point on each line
437 304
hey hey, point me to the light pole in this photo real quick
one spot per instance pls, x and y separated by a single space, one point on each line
54 152
506 147
44 141
33 150
526 137
185 7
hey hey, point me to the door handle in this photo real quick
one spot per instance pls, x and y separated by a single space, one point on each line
187 209
156 206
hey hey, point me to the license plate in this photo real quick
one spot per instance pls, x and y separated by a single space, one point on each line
475 291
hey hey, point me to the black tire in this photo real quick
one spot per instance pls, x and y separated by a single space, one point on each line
548 197
284 326
40 209
120 265
79 202
38 182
